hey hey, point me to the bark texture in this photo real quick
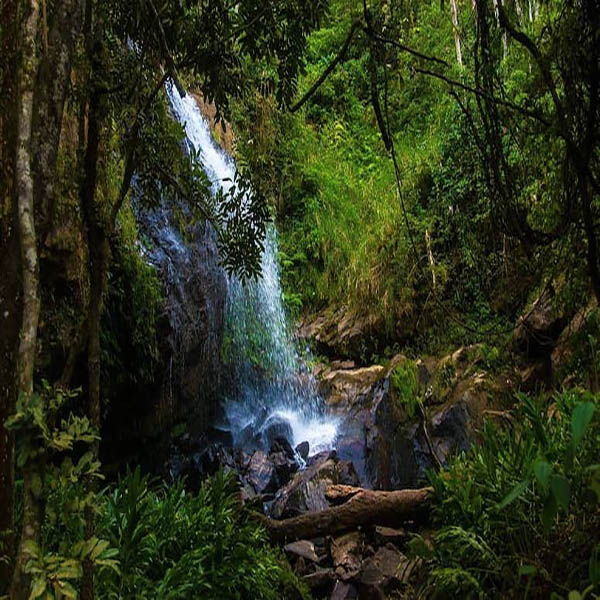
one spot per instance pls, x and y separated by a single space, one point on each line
10 308
29 272
454 12
50 93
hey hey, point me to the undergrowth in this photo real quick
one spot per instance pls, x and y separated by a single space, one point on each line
518 516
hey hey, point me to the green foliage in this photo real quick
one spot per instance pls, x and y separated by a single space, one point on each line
405 387
49 450
134 304
173 544
519 514
157 541
344 239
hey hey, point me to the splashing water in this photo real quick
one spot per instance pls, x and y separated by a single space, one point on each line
270 393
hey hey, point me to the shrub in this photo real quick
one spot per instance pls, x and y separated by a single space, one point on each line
518 515
174 545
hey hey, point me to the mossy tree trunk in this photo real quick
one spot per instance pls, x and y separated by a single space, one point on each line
29 275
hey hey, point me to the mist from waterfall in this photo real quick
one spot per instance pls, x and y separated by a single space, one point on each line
270 391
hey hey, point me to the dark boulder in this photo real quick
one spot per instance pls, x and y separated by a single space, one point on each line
306 491
382 573
303 450
344 591
281 444
275 427
262 474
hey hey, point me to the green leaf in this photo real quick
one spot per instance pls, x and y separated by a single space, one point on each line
580 421
98 549
67 590
561 489
528 570
31 548
38 588
517 491
542 471
574 595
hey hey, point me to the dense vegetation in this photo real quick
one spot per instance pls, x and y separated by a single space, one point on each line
442 245
433 169
518 515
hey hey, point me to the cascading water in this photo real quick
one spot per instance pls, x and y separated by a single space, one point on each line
270 393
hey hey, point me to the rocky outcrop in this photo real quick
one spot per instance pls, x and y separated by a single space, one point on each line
343 332
306 490
383 435
194 290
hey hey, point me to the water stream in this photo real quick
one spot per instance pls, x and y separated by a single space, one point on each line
269 392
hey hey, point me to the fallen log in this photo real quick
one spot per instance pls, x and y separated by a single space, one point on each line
364 507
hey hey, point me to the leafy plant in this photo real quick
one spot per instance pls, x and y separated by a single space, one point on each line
404 384
49 448
518 515
173 544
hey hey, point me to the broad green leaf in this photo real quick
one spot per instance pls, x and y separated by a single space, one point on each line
574 595
542 471
67 590
517 491
99 548
580 421
527 570
31 548
561 490
38 588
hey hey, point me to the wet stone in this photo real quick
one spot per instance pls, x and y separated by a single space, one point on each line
344 591
261 473
384 535
302 548
346 553
303 449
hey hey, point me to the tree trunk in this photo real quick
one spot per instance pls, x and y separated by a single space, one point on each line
10 307
30 275
98 251
454 12
50 93
431 261
365 507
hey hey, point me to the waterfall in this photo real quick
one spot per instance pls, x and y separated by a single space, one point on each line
270 392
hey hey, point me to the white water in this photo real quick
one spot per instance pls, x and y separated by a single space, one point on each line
269 385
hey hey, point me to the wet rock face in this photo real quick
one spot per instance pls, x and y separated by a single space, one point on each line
380 434
194 288
344 333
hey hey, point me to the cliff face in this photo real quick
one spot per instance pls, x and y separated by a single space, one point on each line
185 387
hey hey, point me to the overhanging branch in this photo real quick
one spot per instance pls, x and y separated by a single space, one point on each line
340 56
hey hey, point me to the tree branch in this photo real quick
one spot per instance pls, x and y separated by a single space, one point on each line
168 56
404 48
340 56
482 94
